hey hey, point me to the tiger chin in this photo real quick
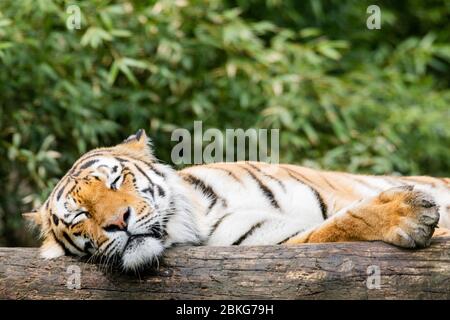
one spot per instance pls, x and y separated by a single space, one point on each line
120 206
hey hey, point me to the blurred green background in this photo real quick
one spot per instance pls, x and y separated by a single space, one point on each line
344 97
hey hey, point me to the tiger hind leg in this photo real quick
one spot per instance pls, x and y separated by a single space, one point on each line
400 216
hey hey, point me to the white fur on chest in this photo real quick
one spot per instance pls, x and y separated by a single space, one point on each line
243 205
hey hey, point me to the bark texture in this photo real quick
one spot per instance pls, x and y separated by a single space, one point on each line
313 271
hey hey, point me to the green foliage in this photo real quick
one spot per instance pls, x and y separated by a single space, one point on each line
344 97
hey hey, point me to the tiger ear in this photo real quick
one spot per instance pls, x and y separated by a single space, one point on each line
138 142
140 137
34 217
50 247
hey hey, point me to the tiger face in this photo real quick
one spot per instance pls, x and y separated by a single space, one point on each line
113 204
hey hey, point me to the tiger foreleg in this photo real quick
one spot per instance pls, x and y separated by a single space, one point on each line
399 216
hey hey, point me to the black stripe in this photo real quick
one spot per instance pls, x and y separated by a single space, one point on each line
359 218
296 234
265 190
150 190
67 224
110 249
64 179
84 158
218 222
144 174
248 233
87 164
148 164
291 236
298 174
205 189
127 172
142 217
268 175
327 182
161 191
323 206
70 241
67 252
75 224
229 172
95 153
60 192
107 246
212 204
55 219
152 167
73 188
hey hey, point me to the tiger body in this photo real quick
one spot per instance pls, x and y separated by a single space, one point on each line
254 203
123 206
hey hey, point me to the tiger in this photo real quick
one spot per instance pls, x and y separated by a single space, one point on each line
122 205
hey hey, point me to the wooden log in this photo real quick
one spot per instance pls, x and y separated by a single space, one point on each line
314 271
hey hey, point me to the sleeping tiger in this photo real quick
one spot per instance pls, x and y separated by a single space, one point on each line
122 205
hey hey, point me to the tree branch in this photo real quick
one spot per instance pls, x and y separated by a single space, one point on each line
312 271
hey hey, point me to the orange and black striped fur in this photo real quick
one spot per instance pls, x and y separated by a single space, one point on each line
121 205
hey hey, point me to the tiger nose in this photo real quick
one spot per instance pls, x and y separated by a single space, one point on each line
119 222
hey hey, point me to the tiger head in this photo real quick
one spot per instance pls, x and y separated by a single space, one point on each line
117 204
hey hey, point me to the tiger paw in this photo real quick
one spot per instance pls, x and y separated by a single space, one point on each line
410 217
